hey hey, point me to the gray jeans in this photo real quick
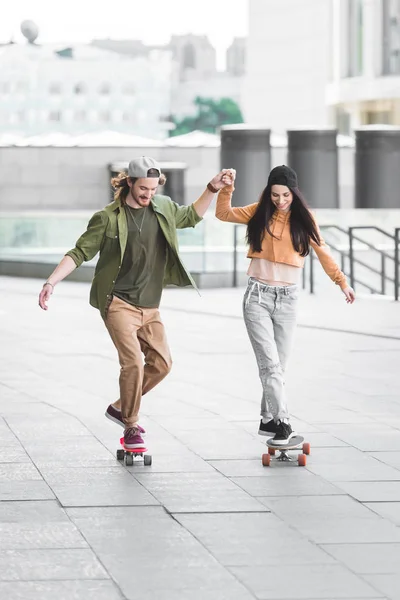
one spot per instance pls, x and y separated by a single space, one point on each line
270 316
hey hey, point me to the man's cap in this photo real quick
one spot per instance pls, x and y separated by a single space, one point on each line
139 167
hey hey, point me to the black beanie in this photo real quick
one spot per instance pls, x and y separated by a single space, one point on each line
283 175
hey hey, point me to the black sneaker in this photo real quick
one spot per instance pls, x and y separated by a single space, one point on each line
269 428
284 433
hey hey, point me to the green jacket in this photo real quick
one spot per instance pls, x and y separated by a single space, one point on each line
107 233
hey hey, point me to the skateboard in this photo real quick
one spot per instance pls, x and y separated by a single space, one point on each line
295 443
129 454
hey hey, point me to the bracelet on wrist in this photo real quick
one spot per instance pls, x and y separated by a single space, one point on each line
48 283
212 188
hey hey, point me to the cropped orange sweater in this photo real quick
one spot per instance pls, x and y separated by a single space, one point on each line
279 247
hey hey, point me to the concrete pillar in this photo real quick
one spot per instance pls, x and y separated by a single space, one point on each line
313 155
377 167
246 149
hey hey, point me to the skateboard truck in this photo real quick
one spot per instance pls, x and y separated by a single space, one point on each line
295 443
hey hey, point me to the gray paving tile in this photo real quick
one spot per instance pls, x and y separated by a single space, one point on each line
333 520
170 561
324 440
38 427
367 469
389 585
198 492
13 454
388 458
252 539
305 484
368 437
19 472
367 558
25 565
303 582
25 490
15 536
48 511
365 491
387 510
166 583
62 590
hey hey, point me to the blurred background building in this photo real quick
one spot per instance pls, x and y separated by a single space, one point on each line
314 84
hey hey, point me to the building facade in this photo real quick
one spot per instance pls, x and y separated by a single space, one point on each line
288 64
83 88
365 83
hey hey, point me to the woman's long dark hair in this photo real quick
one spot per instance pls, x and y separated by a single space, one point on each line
302 224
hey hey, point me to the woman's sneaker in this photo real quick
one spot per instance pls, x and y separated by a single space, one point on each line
115 415
133 439
269 428
284 433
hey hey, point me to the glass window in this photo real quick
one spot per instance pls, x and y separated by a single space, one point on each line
105 89
391 37
80 115
55 88
54 115
105 116
4 87
355 38
129 89
79 88
189 56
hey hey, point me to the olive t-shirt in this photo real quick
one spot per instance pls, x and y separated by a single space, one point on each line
140 279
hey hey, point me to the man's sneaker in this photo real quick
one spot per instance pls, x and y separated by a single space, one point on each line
283 434
133 439
269 428
115 415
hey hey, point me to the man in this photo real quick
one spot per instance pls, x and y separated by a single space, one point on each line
137 240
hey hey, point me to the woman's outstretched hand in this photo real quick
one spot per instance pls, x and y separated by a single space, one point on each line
350 295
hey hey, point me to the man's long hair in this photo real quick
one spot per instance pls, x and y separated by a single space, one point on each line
121 187
302 224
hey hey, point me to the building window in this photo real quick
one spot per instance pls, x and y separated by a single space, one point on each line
55 88
4 87
355 37
189 56
80 115
54 115
343 121
105 89
129 89
391 37
21 87
104 116
79 88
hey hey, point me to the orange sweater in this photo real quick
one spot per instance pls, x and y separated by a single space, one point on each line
277 248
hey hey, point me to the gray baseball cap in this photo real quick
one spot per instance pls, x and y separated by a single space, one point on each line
139 167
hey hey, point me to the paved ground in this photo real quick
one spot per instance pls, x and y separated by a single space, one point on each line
206 521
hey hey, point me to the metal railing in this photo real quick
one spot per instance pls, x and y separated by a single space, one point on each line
353 260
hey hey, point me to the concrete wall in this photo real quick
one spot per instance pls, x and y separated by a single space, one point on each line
77 178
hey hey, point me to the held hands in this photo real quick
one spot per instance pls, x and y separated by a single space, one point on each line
44 295
350 295
224 178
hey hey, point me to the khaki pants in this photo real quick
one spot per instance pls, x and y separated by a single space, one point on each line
137 332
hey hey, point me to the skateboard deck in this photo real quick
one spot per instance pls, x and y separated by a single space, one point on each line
294 442
128 454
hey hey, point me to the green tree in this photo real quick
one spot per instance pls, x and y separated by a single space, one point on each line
210 115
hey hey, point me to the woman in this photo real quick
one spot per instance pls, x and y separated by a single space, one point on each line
280 232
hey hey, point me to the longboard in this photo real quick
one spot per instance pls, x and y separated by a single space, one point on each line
128 454
294 443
